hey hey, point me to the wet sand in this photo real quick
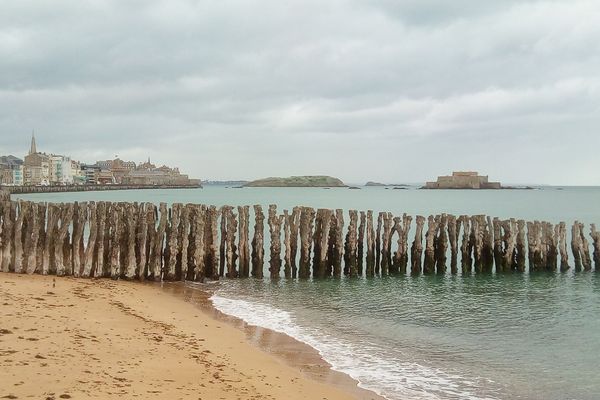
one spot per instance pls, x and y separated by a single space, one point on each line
75 338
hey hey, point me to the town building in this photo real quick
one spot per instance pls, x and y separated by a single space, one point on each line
463 180
11 170
36 167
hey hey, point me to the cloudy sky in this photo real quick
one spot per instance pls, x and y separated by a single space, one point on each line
387 90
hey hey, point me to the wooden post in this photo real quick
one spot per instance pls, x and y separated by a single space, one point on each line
79 220
338 243
378 242
116 233
275 222
103 210
350 246
18 238
327 216
231 252
361 242
185 241
596 244
62 267
402 227
466 258
416 250
244 252
521 247
307 218
171 251
131 213
294 230
453 230
199 243
258 250
430 236
441 244
562 243
32 239
287 266
370 269
8 237
386 251
48 266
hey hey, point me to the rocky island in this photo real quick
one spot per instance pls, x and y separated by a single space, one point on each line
298 181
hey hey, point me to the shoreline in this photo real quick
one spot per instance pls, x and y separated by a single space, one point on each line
293 352
78 338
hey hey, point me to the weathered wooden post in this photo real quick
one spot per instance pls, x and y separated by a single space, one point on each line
158 241
131 214
171 251
244 252
521 247
213 251
487 250
453 231
350 246
370 269
361 241
199 247
386 238
117 228
498 244
274 222
551 254
402 227
477 237
596 244
223 242
441 244
103 210
294 230
507 261
18 256
416 250
8 226
258 249
287 266
562 243
62 267
307 218
430 236
324 245
231 252
378 242
79 221
32 238
338 243
184 242
466 258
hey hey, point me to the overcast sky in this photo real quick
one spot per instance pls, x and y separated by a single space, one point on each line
386 90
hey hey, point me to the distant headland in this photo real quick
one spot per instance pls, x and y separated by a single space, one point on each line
298 181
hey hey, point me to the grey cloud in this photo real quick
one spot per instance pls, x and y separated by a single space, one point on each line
386 90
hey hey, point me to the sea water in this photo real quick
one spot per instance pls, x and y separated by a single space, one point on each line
496 336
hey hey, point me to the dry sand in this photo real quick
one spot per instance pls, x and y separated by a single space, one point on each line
105 339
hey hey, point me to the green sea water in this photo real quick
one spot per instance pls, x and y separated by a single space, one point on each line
495 336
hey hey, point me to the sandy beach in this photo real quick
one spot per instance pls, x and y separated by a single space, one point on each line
74 338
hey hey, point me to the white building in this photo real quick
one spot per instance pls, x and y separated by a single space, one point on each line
61 171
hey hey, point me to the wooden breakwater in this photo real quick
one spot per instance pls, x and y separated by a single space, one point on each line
198 242
88 188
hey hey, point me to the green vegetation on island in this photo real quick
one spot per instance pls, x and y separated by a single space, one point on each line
298 181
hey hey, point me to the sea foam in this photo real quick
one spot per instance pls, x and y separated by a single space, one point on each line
365 362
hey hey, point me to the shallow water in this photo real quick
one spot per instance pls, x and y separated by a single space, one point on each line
497 336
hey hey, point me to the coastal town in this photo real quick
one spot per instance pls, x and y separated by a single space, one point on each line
43 169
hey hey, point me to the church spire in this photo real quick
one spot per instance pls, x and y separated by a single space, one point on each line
33 148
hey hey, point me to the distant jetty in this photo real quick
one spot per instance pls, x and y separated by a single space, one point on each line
463 180
298 181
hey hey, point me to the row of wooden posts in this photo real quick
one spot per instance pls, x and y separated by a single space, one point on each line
197 242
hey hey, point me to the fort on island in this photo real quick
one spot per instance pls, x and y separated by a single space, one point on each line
463 180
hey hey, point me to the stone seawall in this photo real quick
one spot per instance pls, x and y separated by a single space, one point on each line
88 188
198 242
